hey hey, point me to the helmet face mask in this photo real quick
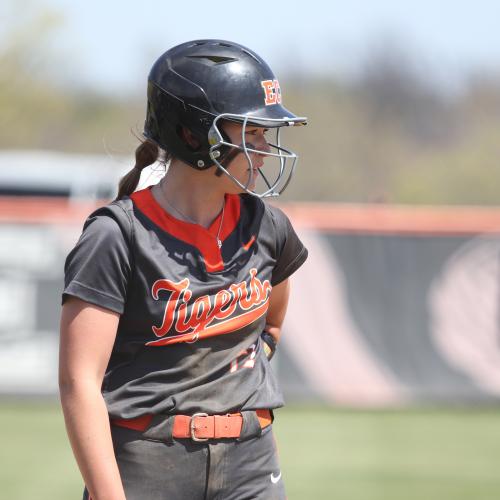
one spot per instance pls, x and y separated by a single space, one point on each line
287 159
198 84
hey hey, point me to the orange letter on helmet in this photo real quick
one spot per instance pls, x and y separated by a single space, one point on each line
268 86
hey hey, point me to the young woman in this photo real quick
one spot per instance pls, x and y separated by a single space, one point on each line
175 295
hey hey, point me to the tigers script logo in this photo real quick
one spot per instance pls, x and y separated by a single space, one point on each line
205 318
272 91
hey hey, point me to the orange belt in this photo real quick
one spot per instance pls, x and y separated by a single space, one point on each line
200 426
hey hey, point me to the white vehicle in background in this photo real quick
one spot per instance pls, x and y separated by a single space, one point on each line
61 175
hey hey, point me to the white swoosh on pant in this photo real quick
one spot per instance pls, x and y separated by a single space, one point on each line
274 480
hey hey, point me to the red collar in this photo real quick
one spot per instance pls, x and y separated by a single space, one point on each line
202 238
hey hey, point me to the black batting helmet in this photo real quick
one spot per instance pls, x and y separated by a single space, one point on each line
197 84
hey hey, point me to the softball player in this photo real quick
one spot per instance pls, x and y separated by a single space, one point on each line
175 294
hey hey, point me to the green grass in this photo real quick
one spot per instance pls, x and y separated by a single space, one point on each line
325 454
400 455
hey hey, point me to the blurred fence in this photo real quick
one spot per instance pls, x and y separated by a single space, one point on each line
395 305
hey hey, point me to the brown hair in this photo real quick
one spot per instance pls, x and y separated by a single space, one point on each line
146 154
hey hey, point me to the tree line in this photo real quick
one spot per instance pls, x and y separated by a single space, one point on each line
389 134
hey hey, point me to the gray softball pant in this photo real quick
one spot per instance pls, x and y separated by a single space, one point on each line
155 466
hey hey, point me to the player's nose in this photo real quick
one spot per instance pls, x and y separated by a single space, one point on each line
263 145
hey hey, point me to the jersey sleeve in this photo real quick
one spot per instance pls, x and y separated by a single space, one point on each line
98 268
290 252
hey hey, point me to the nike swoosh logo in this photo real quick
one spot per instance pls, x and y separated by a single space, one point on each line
274 479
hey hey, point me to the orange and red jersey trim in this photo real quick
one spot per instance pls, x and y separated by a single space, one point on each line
204 239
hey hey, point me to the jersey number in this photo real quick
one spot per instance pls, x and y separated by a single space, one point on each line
245 359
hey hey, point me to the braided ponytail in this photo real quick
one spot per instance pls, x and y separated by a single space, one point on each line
146 154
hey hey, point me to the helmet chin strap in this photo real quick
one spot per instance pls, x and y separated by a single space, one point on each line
231 155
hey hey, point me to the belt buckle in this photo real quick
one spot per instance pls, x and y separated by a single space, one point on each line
192 428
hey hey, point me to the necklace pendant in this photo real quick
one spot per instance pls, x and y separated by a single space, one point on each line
219 243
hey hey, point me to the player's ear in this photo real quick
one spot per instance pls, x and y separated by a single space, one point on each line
189 138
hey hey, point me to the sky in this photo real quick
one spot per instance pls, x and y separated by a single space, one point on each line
112 44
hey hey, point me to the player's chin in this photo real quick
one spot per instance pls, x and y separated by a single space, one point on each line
234 188
255 173
244 179
252 180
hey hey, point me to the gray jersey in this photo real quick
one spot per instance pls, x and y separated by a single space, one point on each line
188 338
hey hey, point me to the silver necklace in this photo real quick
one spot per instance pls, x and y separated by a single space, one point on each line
189 219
